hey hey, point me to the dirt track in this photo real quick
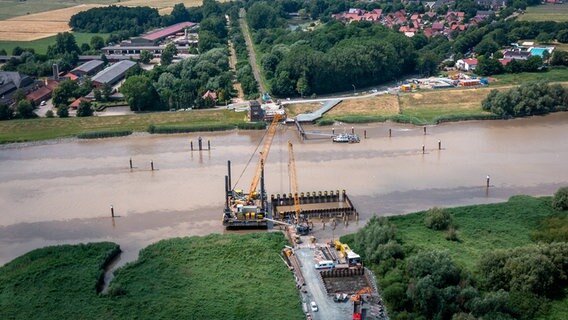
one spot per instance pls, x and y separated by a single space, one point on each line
250 48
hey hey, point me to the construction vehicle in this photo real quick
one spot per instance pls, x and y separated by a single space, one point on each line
248 210
302 225
358 311
347 255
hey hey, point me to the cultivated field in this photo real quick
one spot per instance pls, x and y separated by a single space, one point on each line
547 12
40 45
39 25
36 19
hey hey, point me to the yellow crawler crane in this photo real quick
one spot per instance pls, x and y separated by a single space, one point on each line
302 227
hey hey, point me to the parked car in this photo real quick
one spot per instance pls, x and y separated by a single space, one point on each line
314 306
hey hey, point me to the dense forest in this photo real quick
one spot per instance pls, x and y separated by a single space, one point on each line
116 18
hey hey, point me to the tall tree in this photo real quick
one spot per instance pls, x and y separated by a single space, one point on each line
64 91
168 54
139 93
85 109
180 13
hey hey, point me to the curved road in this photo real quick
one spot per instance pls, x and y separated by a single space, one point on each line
250 49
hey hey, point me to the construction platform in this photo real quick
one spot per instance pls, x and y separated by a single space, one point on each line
321 204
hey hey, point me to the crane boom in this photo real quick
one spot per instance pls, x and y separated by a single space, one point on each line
263 155
294 180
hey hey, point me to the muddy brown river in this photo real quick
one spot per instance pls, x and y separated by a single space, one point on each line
61 192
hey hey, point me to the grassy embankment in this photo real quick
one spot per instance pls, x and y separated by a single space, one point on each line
481 229
212 277
546 12
426 106
45 128
40 45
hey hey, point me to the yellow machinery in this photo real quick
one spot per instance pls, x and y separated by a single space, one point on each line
346 253
248 210
253 194
302 227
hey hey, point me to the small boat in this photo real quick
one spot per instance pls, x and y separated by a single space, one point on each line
346 138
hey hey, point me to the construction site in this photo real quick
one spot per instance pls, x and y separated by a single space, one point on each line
330 277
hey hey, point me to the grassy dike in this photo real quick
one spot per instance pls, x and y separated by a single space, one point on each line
53 128
212 277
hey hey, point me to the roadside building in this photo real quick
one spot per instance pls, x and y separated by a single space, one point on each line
11 82
466 64
88 68
255 111
516 54
112 74
210 95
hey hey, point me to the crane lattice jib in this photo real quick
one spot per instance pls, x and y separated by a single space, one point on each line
294 180
263 155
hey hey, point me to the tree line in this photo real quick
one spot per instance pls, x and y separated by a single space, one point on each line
527 99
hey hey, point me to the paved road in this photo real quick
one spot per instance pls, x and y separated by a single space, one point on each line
328 310
250 48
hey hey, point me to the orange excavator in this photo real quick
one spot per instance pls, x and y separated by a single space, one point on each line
358 303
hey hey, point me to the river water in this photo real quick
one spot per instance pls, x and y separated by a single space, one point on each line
61 192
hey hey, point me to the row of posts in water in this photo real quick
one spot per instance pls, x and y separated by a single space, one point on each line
199 143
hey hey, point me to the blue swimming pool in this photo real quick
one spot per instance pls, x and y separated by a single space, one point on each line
538 51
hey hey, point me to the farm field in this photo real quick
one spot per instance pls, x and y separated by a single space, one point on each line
546 12
234 276
40 45
36 19
39 25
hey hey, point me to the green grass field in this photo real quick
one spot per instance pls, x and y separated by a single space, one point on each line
213 277
51 128
481 228
552 75
546 12
40 46
15 8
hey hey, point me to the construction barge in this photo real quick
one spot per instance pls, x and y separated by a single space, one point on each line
245 211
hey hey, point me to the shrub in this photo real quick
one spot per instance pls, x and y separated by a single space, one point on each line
452 233
103 134
325 122
63 112
194 128
361 119
438 219
49 114
252 125
560 199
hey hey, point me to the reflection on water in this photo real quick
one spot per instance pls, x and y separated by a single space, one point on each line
62 192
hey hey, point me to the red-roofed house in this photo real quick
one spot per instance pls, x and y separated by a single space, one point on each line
466 64
75 104
437 26
504 61
210 94
428 32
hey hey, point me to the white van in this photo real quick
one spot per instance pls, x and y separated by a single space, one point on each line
324 264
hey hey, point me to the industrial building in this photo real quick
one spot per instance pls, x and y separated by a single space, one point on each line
88 68
113 74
